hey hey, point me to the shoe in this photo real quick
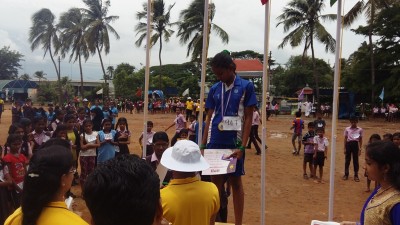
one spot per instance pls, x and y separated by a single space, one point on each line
356 179
305 176
345 177
294 151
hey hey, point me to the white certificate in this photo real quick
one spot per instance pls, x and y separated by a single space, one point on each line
232 123
317 222
91 139
219 161
108 136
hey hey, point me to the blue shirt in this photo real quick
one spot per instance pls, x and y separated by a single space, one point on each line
106 151
114 111
239 95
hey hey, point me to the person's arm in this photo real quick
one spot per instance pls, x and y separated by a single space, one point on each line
360 145
170 126
395 214
140 140
345 141
315 149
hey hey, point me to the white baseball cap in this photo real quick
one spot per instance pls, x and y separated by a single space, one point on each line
85 100
184 156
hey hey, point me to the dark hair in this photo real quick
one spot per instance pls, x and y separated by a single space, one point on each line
122 120
69 117
386 153
42 181
56 141
60 127
183 131
134 188
353 118
298 114
375 136
320 129
25 122
223 60
388 136
397 135
12 138
311 124
160 136
38 119
105 121
13 127
150 123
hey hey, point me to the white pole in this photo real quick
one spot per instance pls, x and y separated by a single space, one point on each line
203 68
146 77
335 109
265 88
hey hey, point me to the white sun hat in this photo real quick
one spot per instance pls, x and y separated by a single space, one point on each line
184 156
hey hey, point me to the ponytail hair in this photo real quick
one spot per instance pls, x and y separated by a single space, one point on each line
42 181
386 153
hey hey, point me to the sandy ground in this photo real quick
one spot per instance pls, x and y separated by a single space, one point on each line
290 199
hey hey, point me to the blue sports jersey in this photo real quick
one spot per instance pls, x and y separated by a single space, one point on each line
236 97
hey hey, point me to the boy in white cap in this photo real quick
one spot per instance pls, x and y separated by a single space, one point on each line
186 199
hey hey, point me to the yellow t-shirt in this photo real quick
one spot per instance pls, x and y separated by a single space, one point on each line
54 213
189 105
189 201
2 105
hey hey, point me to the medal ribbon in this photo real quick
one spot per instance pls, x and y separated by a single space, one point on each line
223 111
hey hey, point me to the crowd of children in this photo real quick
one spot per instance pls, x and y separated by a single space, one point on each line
90 143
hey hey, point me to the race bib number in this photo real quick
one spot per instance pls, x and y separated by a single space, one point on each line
231 123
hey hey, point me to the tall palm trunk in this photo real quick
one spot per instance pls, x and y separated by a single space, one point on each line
371 51
58 77
159 57
104 72
314 67
80 70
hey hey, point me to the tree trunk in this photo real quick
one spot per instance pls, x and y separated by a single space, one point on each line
58 77
104 72
80 70
159 57
371 51
314 68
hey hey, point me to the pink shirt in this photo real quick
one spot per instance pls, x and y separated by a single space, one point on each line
180 123
353 134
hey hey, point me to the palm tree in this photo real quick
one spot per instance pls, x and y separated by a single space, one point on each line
25 76
44 33
305 16
190 28
40 75
110 72
72 38
370 9
98 28
160 23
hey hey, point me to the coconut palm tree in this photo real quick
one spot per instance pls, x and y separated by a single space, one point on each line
72 39
40 75
44 32
25 76
190 28
305 16
370 8
98 28
160 23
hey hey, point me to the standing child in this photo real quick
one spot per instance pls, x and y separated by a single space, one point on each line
16 163
320 153
192 128
308 142
40 136
89 143
180 123
106 137
373 138
319 122
26 150
73 137
254 138
122 137
352 147
149 139
297 127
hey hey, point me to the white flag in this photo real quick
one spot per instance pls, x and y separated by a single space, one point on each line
99 92
186 92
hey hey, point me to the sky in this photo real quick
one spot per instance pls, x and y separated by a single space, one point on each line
243 20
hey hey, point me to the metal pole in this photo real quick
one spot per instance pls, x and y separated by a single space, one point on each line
147 75
203 69
263 105
335 110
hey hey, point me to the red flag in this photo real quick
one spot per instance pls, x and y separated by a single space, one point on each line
139 92
264 2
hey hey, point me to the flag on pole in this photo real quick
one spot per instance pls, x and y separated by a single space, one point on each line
333 2
301 95
264 2
186 92
99 92
382 93
139 92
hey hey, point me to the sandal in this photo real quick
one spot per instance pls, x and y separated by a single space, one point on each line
356 179
345 177
305 176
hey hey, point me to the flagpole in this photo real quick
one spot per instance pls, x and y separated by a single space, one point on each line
203 69
264 104
336 84
146 77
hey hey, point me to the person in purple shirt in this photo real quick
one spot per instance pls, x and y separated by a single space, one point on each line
382 164
180 123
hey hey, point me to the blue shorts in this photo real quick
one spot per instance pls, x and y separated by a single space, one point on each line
240 162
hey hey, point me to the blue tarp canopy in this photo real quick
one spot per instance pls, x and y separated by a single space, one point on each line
156 94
